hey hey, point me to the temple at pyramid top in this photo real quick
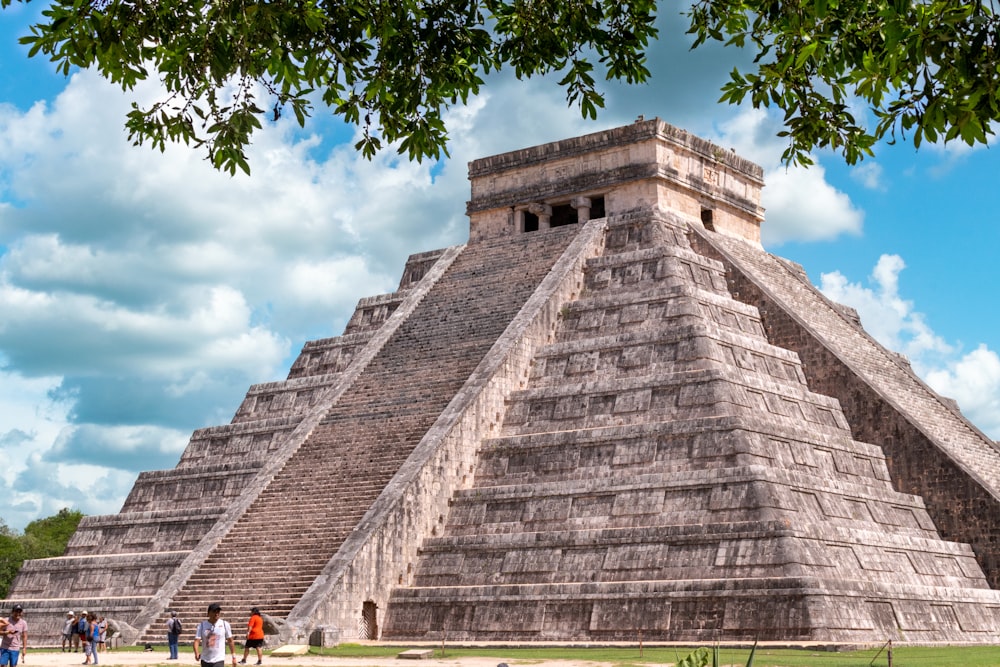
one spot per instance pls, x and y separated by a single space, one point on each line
646 164
611 414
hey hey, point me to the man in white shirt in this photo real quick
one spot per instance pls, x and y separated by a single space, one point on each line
211 637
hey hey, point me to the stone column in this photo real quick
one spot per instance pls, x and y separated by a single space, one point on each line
544 213
582 206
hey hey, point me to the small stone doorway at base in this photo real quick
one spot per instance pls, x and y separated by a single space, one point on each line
369 620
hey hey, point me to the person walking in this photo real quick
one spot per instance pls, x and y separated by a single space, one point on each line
14 642
255 636
211 637
174 628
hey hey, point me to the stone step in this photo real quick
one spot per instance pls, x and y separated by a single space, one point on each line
664 396
634 231
46 615
675 446
655 307
748 493
137 532
681 348
670 265
372 312
99 575
191 487
284 398
707 551
686 610
253 439
328 355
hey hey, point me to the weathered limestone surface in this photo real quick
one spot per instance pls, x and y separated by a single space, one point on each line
610 412
667 469
932 450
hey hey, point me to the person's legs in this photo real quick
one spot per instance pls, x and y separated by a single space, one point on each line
260 656
5 657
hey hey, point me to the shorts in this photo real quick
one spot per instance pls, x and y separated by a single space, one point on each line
221 663
68 636
9 657
254 643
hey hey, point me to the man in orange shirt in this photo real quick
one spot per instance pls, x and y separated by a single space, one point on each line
255 636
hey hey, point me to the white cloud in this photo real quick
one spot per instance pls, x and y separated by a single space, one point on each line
886 315
972 379
126 272
870 174
800 205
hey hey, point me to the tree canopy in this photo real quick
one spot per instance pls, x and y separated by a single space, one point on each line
42 538
846 73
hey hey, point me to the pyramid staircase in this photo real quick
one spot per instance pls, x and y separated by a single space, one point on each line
117 564
669 475
276 550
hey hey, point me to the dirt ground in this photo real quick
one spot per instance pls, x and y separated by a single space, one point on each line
50 658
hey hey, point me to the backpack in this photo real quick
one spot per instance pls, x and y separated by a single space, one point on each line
178 628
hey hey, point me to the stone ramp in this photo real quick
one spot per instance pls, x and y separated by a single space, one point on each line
668 470
324 489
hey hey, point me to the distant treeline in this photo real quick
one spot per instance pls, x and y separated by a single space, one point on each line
42 538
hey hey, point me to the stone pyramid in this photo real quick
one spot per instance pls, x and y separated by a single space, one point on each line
609 415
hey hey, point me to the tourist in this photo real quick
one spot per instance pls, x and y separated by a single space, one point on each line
75 639
212 636
255 636
102 624
81 630
67 632
95 635
174 628
91 639
14 643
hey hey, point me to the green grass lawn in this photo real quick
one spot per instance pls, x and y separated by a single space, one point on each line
940 656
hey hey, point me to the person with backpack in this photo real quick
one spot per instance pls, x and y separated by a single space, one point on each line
174 629
213 635
82 631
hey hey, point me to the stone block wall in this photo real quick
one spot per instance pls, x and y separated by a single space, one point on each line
931 450
380 555
648 163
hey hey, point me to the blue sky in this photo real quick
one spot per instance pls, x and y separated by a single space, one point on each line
142 293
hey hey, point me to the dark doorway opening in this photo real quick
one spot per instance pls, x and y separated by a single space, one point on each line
706 219
597 207
530 222
369 620
564 214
